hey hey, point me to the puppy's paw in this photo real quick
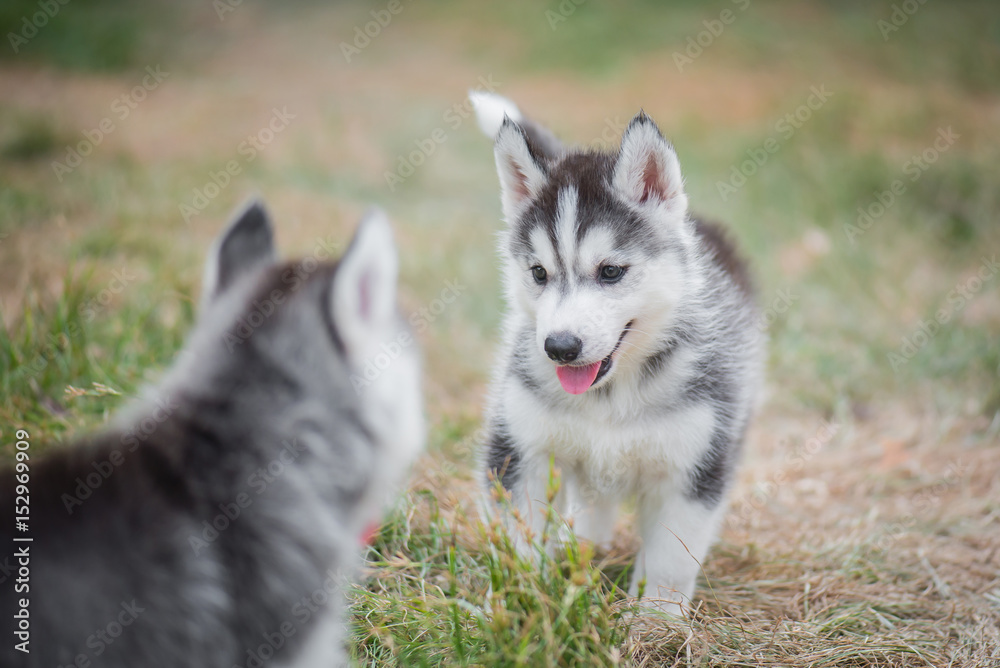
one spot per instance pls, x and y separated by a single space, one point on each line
662 606
664 602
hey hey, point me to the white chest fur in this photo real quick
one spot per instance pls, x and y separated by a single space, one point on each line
612 451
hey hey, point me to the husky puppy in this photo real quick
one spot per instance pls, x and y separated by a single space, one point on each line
211 525
630 355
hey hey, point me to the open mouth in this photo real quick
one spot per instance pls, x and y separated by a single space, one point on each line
579 379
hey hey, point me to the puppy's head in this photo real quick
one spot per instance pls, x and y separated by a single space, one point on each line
594 247
324 339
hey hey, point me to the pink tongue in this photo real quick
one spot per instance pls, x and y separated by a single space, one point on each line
578 379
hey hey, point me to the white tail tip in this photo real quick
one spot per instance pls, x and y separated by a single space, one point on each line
491 109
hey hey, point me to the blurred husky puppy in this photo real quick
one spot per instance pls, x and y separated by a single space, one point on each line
630 350
212 525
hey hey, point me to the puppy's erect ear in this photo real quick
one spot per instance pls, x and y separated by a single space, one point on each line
647 172
522 173
246 244
364 288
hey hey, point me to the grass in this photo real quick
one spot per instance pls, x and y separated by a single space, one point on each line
880 545
446 604
71 343
88 35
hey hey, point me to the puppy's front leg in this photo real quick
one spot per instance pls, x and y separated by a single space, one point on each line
591 513
676 533
528 506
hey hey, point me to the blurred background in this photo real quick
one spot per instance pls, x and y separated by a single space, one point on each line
853 148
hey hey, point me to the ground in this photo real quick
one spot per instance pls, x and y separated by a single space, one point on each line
852 149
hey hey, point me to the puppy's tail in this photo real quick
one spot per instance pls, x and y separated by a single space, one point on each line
491 109
490 112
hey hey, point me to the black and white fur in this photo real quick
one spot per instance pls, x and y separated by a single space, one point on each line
279 401
675 333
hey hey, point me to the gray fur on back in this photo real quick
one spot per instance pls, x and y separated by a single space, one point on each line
245 481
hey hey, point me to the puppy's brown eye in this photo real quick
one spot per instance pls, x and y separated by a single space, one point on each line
611 273
539 274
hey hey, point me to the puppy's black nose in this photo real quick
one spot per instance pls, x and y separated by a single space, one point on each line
563 347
